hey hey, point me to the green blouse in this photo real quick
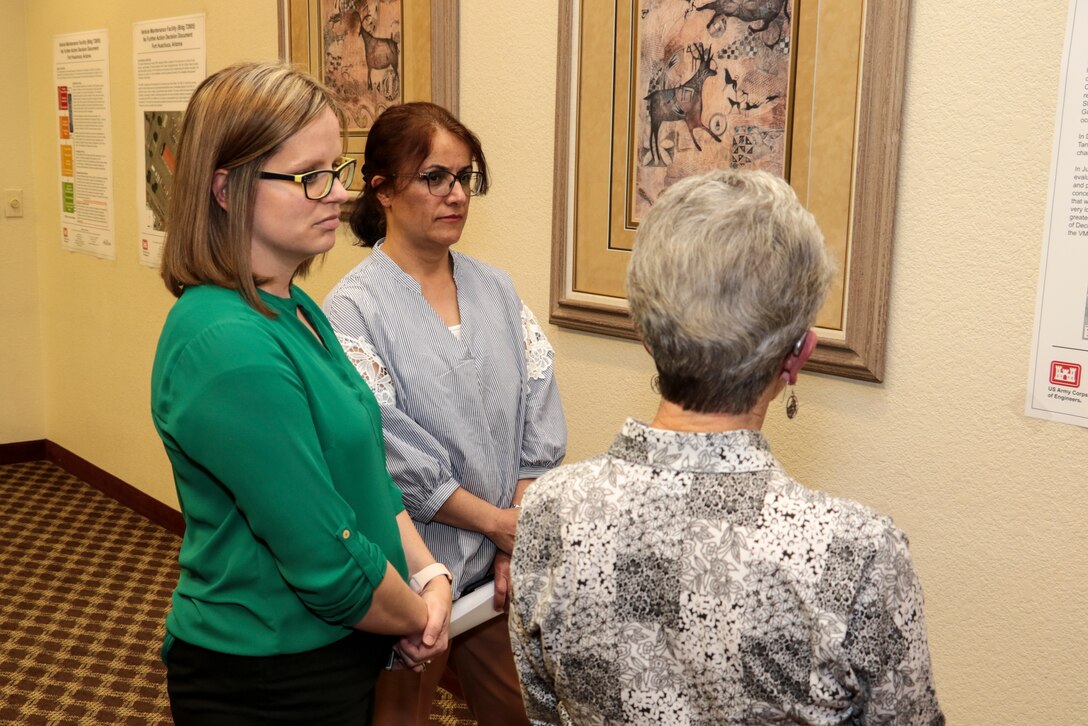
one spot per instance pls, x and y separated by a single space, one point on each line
278 458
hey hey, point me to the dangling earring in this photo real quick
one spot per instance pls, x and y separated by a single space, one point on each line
791 404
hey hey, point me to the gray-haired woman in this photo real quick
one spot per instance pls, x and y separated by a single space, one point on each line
683 577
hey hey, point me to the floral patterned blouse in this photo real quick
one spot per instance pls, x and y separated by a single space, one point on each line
685 578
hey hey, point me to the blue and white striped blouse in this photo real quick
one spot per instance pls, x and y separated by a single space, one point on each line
478 411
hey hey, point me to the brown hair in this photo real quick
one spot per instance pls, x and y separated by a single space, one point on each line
396 145
235 120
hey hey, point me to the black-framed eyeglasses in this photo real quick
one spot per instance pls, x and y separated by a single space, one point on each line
317 184
440 182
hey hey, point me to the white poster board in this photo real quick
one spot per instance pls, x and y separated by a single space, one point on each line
81 79
169 62
1058 382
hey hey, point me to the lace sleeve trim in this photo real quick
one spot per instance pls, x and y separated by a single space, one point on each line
538 351
371 368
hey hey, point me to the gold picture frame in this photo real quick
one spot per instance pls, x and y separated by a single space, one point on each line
421 54
844 126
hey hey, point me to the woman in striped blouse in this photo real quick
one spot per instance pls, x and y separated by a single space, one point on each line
463 372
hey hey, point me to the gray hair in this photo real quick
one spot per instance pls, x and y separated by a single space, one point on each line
728 272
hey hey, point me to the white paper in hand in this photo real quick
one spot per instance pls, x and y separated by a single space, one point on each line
472 609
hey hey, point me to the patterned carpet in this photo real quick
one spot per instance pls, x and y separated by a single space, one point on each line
85 585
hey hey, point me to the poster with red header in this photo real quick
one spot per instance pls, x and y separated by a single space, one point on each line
1057 385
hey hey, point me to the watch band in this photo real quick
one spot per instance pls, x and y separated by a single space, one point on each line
428 573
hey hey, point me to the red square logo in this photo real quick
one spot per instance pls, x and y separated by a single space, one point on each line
1065 374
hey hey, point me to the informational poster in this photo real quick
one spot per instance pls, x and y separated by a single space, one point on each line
170 62
81 76
1058 384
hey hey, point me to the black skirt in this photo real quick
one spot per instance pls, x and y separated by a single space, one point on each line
330 685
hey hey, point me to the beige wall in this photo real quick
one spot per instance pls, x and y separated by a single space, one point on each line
102 318
22 385
994 502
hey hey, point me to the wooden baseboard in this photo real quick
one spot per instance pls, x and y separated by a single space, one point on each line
22 451
143 504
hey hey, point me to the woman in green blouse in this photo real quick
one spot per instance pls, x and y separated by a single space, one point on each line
297 554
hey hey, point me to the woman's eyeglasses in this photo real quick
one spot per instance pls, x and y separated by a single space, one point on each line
440 182
318 184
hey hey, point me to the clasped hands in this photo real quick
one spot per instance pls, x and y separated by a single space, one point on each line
416 651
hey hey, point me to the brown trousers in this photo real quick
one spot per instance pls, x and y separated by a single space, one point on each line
484 665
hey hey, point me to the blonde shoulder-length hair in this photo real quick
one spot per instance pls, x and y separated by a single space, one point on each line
236 119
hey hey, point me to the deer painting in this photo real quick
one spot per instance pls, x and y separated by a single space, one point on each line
682 103
748 11
381 53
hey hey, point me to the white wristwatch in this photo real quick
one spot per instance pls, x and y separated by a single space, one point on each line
428 573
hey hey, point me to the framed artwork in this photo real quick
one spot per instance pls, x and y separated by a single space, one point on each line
375 54
807 89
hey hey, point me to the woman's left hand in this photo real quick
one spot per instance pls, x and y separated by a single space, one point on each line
502 581
416 651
